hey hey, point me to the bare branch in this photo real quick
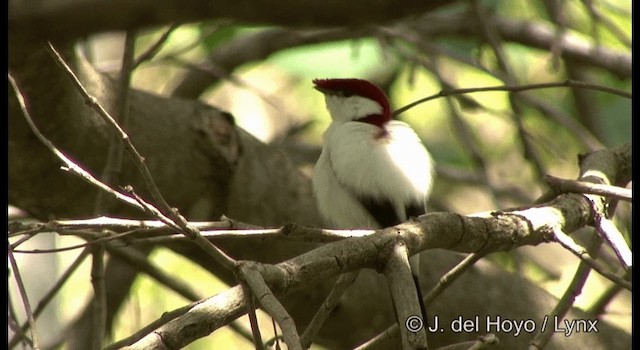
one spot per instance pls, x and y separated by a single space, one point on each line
563 185
534 34
113 164
152 50
569 244
566 301
73 19
405 299
25 299
519 88
270 304
51 293
139 161
253 320
249 48
69 164
610 233
332 300
99 301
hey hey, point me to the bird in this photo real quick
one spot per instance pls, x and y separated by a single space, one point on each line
373 171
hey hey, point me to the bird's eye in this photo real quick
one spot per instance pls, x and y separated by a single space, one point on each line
346 93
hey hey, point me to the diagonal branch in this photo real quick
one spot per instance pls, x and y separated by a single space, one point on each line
270 304
139 161
25 298
332 300
569 244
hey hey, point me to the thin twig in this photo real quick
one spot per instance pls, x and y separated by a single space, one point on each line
547 109
25 298
70 165
253 320
138 261
96 106
276 337
330 302
153 232
566 301
569 244
492 35
597 16
19 335
150 52
42 304
93 237
555 9
517 88
113 162
448 278
99 302
468 139
139 161
164 319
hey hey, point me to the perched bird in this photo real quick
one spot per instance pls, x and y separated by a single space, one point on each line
374 172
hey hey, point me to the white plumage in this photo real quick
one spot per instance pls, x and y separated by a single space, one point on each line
373 171
359 160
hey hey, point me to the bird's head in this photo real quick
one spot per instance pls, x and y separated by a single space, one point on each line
354 100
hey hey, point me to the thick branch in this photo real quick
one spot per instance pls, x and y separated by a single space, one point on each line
502 231
74 19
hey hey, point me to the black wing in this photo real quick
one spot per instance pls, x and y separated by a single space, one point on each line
381 210
385 214
415 209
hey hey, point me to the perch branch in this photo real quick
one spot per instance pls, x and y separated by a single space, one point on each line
270 304
405 299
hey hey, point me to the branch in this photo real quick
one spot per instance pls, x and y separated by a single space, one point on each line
250 48
139 161
534 34
69 164
610 233
49 295
562 185
566 301
405 299
270 304
75 19
25 299
569 244
500 231
517 88
332 300
99 301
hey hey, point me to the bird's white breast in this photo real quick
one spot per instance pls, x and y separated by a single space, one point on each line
358 159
